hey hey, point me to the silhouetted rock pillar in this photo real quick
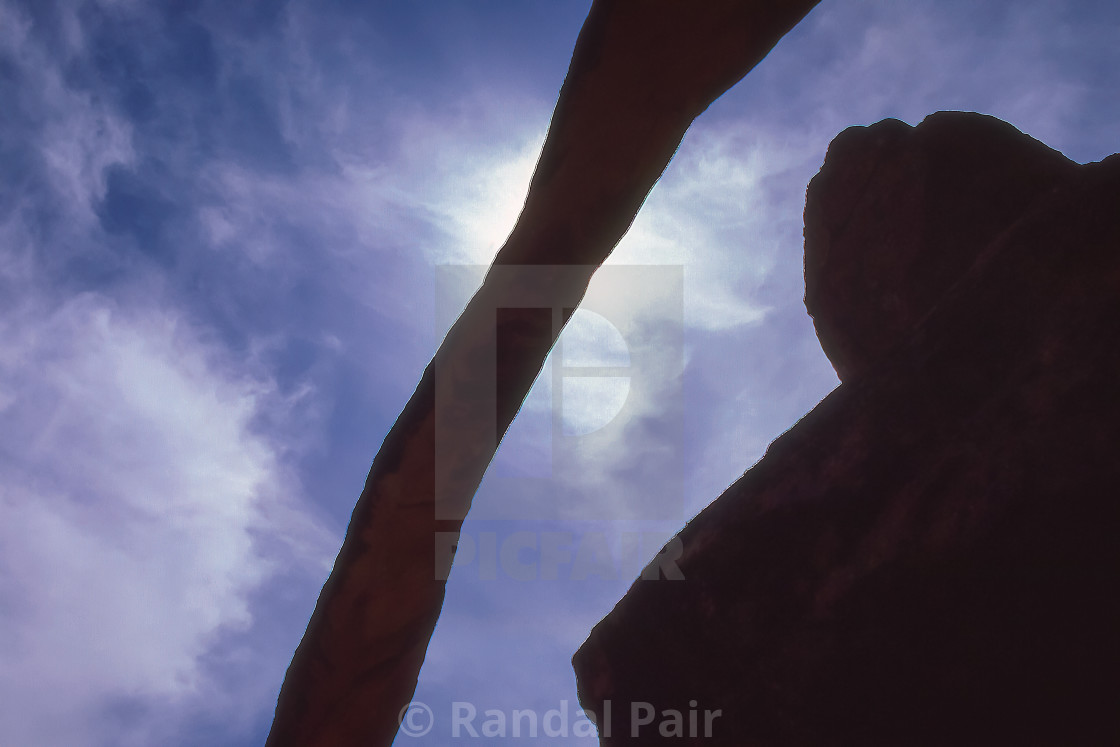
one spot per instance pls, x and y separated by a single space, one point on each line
929 558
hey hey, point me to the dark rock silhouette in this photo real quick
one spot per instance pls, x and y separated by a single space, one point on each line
930 556
897 215
640 73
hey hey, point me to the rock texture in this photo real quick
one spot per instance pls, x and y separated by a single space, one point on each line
640 73
930 556
896 217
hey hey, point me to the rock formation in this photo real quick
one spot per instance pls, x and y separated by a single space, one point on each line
930 556
889 227
640 73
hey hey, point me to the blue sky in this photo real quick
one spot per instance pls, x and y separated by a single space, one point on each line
222 227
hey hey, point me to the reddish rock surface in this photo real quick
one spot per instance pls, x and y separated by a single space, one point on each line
929 557
898 214
640 73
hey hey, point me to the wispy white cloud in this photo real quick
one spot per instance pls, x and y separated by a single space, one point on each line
143 512
1022 62
467 175
76 135
712 213
135 499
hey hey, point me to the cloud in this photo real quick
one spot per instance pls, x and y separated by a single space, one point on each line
138 505
1033 64
152 517
472 192
74 135
711 213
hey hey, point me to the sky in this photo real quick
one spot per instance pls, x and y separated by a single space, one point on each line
232 236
